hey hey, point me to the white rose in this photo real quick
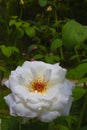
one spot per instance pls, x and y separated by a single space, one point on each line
39 90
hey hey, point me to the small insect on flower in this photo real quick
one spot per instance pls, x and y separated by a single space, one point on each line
39 90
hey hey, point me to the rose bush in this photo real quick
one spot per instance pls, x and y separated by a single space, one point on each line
39 90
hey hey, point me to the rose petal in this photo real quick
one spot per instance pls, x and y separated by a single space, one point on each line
49 116
58 75
10 101
66 88
38 106
47 75
67 107
59 102
23 111
7 83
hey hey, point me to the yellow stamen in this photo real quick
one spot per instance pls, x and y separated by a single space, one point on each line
38 85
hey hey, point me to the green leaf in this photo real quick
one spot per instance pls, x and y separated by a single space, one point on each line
79 72
43 48
42 27
56 44
71 119
9 123
31 48
73 33
78 93
7 51
14 49
49 59
38 56
26 24
53 30
30 31
20 33
52 58
56 58
18 24
12 22
42 2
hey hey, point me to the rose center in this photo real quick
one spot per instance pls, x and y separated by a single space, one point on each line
38 86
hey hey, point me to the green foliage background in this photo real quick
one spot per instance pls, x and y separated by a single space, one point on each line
52 31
